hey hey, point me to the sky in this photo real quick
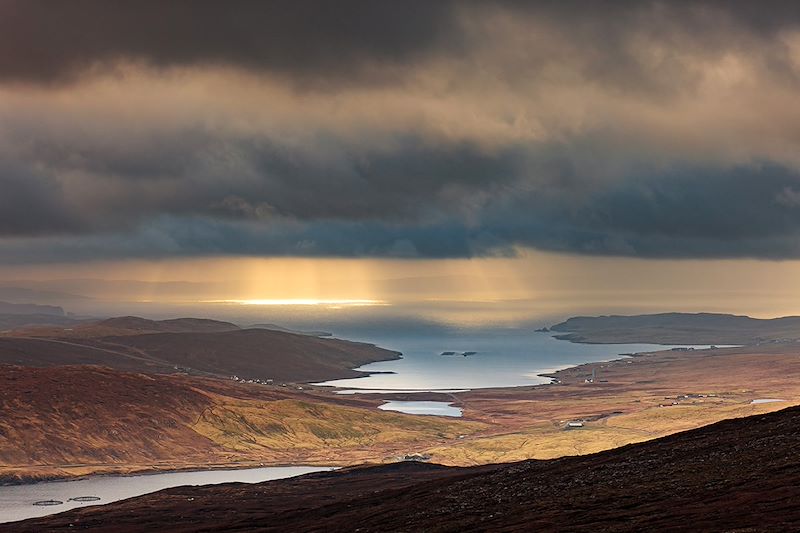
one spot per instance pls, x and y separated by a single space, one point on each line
374 140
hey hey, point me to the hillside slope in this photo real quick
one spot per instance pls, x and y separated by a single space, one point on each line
741 474
122 325
198 346
64 421
257 353
90 415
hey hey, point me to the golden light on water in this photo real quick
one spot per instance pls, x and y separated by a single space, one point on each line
457 290
302 301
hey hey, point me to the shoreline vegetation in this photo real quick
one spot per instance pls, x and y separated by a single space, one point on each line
183 421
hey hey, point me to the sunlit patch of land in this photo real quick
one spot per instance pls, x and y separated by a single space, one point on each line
631 400
79 420
310 431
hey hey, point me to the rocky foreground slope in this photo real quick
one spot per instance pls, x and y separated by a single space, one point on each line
736 475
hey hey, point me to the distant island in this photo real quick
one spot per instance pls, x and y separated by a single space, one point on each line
679 328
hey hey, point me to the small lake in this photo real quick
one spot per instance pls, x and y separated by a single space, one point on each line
765 400
422 408
434 359
17 501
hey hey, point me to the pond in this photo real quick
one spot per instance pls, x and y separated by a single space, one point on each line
17 502
422 408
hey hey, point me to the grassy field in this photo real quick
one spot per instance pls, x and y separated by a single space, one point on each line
638 399
303 430
547 440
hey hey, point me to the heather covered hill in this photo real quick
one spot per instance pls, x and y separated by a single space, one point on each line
199 346
258 353
77 420
741 474
91 415
173 325
123 325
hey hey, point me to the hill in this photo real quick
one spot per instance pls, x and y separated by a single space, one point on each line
257 353
66 421
123 325
679 328
740 474
199 346
136 325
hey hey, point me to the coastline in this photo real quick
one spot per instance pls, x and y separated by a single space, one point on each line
631 399
624 389
154 470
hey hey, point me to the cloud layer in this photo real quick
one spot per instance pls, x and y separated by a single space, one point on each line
401 129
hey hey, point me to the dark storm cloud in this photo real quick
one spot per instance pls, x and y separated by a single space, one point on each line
679 213
404 183
648 48
202 195
434 129
199 194
685 212
44 41
359 41
258 178
32 204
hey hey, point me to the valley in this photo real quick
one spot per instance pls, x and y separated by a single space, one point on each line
136 412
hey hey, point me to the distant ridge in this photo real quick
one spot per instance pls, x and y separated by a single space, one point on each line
7 308
9 322
174 325
27 295
679 328
275 327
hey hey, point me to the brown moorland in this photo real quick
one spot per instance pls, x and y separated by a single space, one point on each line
197 346
165 405
88 419
71 421
632 399
735 475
